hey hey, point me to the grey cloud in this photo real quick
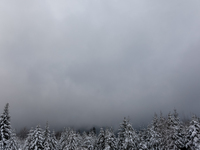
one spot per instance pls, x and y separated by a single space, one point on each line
92 63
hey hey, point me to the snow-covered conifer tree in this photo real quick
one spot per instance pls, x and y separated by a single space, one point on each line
13 145
53 142
193 135
131 138
110 140
64 138
171 126
161 131
143 136
28 140
88 141
122 135
36 142
47 140
72 141
92 134
154 138
128 139
178 132
5 128
84 141
101 140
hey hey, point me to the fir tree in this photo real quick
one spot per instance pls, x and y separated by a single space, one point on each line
13 145
132 138
110 140
28 140
88 141
171 132
178 132
36 142
64 138
143 141
92 134
5 128
193 134
47 139
72 141
128 139
101 140
53 142
122 135
162 131
154 138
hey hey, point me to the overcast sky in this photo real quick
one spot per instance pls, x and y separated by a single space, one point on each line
93 62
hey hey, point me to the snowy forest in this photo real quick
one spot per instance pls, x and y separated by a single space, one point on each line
163 133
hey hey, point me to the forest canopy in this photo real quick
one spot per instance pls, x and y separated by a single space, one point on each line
162 133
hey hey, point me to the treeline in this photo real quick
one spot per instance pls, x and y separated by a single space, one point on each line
164 133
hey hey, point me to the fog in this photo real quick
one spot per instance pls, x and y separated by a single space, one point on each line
92 63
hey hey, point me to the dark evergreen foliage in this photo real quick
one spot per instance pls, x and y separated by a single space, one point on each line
37 139
101 140
7 136
5 128
110 140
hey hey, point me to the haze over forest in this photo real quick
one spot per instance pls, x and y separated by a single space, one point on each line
92 63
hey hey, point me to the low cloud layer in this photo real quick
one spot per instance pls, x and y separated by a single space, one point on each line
94 62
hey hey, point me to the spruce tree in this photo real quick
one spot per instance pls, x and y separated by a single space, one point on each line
5 128
110 140
13 145
47 140
101 140
178 132
193 135
63 139
154 138
28 140
143 137
173 132
122 135
72 141
88 141
132 139
36 142
128 139
162 131
53 142
93 136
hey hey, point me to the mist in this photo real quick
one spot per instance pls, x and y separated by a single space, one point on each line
92 63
